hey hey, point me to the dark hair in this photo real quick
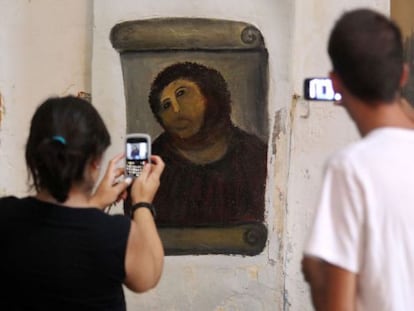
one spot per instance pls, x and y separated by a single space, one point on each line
366 51
211 83
65 133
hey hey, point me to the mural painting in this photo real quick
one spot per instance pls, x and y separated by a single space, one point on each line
199 88
215 169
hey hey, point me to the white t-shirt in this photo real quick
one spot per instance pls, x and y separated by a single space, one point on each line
365 219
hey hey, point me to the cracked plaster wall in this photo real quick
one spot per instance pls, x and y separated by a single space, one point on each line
45 50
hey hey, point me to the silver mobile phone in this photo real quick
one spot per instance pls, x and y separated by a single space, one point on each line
320 89
137 153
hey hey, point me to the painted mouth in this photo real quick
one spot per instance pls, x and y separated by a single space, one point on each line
181 124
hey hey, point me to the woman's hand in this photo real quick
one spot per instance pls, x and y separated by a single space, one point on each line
109 190
146 185
144 258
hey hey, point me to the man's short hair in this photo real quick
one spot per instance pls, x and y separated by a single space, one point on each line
366 51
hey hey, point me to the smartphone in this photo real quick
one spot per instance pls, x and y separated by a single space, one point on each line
320 89
137 153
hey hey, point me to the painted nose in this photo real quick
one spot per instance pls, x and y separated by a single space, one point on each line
175 105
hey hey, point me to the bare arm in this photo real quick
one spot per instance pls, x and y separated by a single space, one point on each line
145 254
332 288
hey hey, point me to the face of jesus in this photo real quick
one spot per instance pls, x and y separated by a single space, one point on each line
182 108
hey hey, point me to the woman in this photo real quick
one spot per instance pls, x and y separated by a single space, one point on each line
215 172
60 251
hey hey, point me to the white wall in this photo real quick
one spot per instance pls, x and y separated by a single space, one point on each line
46 48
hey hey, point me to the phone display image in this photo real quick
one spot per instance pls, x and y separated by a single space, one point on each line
320 89
138 152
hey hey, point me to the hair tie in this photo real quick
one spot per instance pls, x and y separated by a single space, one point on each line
60 139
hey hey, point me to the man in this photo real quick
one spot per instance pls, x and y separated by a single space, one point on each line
360 254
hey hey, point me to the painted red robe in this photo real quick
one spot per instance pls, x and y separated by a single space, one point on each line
228 191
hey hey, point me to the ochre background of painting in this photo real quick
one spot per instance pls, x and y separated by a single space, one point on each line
403 12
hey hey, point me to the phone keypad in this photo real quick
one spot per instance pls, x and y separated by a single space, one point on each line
134 170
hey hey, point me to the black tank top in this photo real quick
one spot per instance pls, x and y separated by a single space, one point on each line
60 258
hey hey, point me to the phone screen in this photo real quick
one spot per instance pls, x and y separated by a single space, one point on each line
320 89
138 153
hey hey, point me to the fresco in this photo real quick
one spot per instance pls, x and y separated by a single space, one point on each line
199 88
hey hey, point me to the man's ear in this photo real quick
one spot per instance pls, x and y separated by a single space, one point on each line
336 82
405 74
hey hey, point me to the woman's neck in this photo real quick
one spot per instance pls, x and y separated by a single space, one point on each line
76 198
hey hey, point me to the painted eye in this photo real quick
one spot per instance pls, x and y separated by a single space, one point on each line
180 92
166 104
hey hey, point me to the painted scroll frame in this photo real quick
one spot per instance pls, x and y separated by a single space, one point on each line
237 51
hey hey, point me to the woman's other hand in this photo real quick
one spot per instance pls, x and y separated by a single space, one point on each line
110 190
144 258
146 185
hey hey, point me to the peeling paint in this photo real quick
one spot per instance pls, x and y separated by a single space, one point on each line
292 113
85 95
278 128
253 272
2 109
286 300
